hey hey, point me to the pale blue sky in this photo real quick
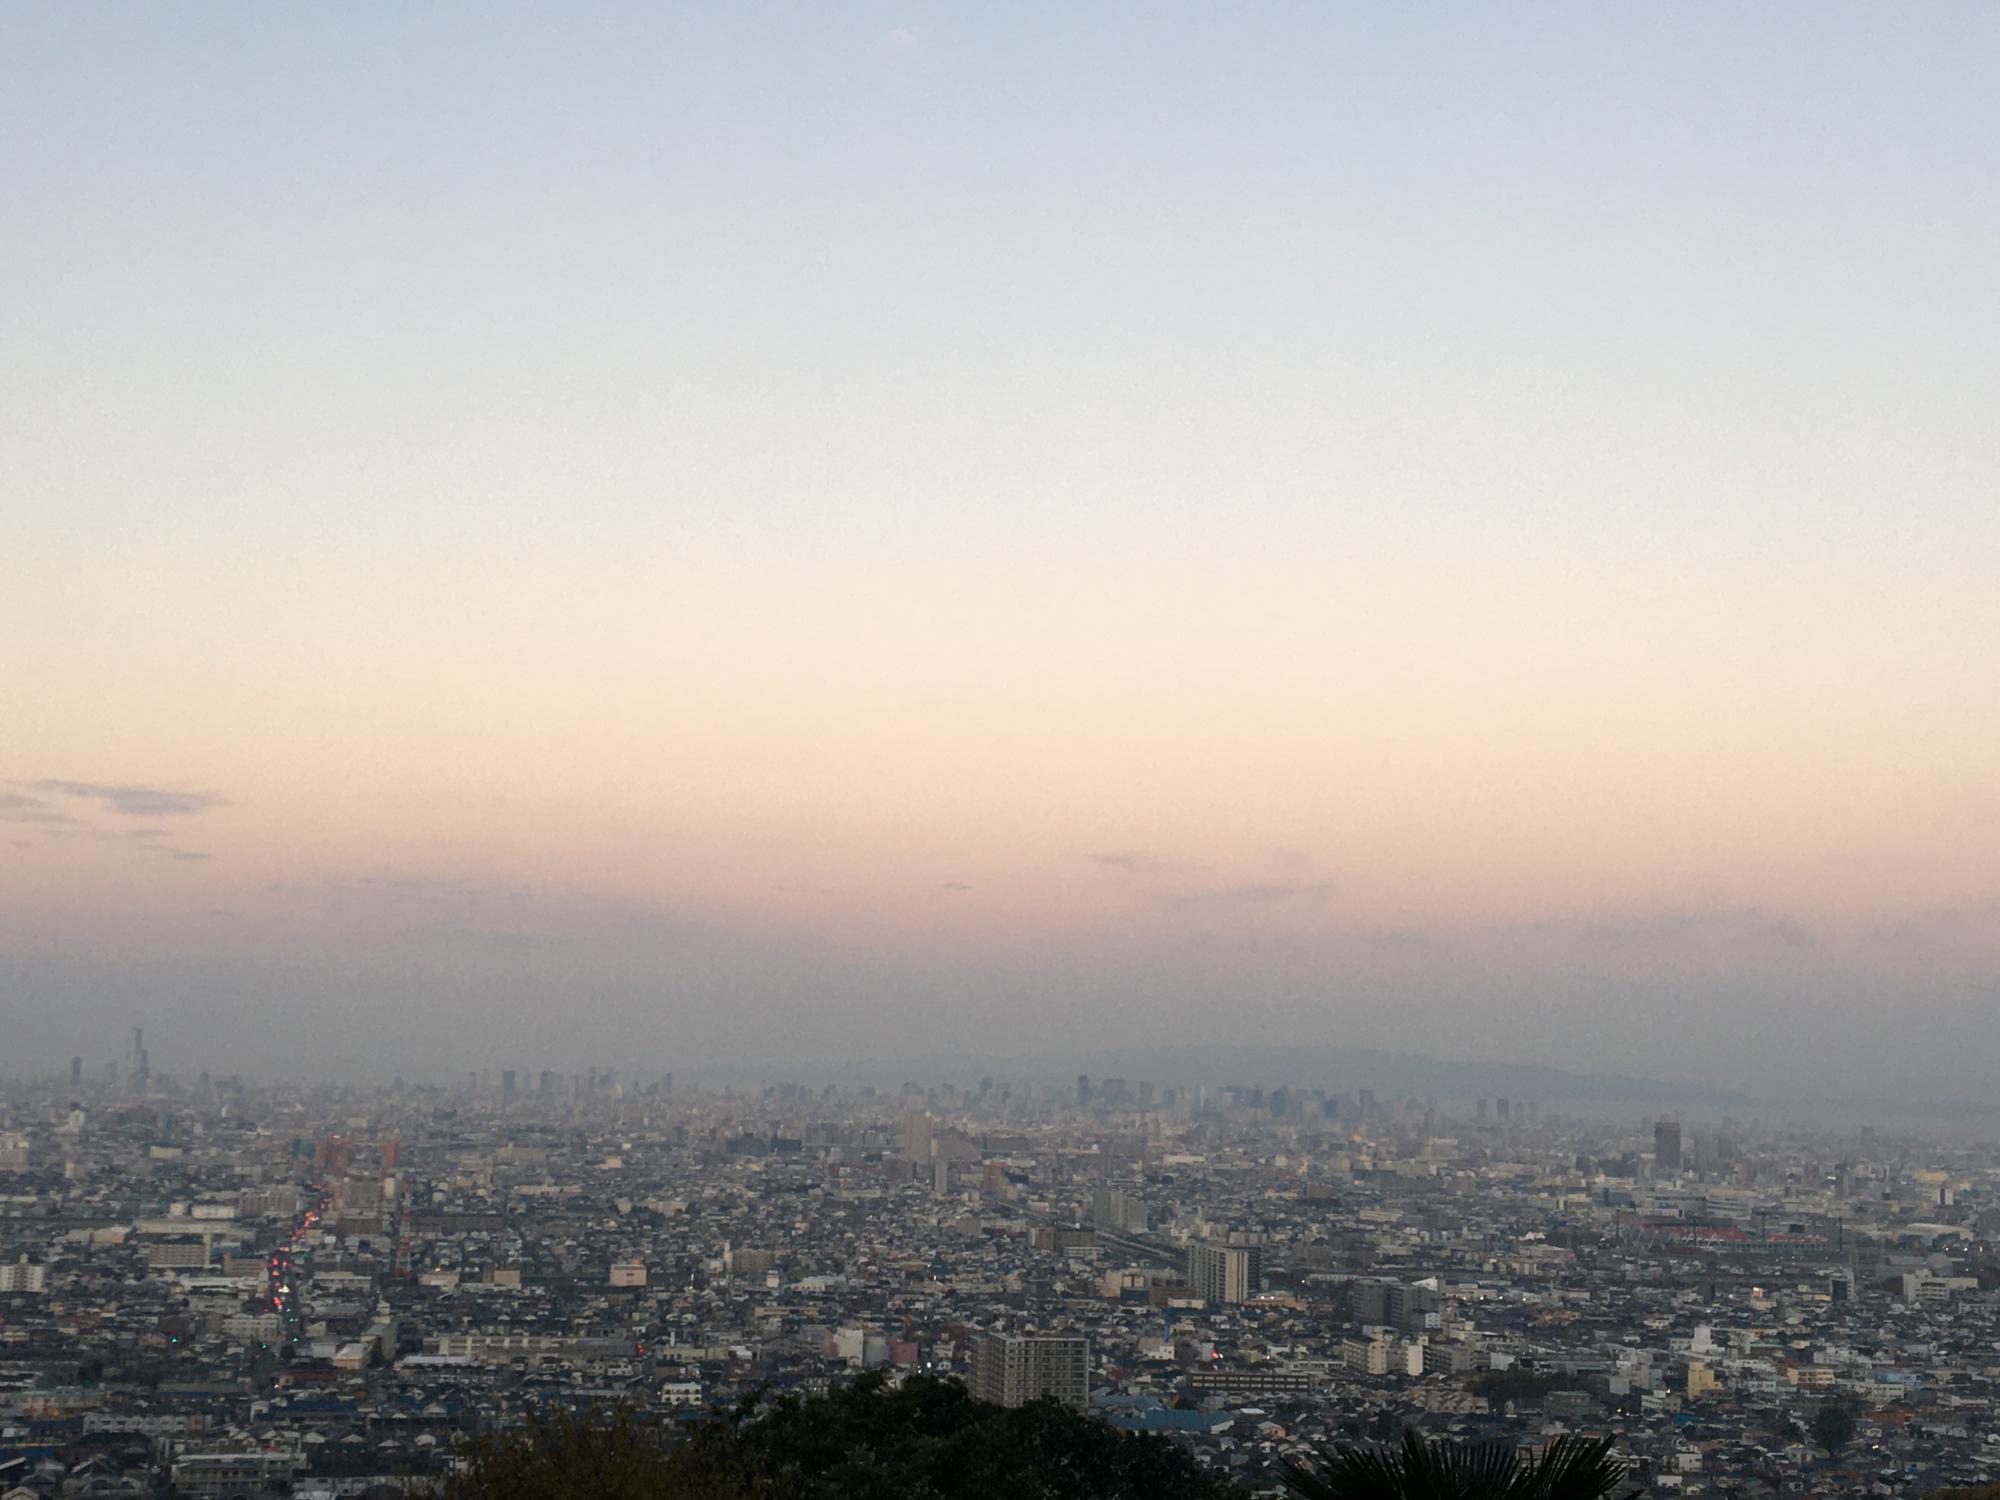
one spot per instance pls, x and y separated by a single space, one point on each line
378 235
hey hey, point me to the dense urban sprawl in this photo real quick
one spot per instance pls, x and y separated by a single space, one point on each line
214 1287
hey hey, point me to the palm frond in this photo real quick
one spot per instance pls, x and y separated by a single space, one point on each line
1570 1468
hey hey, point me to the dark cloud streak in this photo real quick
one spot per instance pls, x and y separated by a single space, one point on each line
433 889
1644 929
130 799
1257 893
15 808
1126 859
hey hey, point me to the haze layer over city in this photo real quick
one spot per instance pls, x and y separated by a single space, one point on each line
784 540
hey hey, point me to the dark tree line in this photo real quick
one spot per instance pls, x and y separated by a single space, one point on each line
924 1440
927 1439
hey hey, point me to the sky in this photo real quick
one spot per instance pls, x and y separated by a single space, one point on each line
551 536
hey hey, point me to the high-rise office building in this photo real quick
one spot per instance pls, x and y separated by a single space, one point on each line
1015 1369
917 1137
1667 1145
76 1072
1083 1088
506 1083
1219 1272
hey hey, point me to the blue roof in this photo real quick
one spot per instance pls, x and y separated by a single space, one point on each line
1165 1419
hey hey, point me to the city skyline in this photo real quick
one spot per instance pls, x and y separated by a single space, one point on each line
825 534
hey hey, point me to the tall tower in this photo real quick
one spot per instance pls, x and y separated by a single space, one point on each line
1667 1145
1221 1272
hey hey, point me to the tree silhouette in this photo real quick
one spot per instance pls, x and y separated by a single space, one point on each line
924 1440
1833 1427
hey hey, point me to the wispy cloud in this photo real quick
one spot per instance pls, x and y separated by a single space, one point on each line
1672 926
417 887
147 841
17 807
132 800
898 41
956 885
1257 893
1408 940
1126 859
482 939
38 803
1935 923
1293 882
433 888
